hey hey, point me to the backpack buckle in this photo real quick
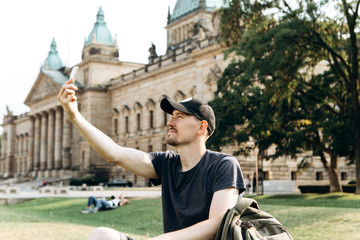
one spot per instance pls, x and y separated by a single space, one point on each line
246 225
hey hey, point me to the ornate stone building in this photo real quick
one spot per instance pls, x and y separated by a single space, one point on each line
122 100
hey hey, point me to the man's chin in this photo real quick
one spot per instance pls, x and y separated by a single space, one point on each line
172 142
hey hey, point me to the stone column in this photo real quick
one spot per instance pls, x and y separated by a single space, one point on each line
67 139
51 140
43 149
30 162
21 153
17 155
29 147
37 132
58 137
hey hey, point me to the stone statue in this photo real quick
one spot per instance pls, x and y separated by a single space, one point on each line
153 54
198 32
9 113
152 50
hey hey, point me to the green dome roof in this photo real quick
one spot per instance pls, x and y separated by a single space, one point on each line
100 32
53 60
184 7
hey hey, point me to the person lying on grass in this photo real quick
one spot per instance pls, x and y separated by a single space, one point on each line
102 204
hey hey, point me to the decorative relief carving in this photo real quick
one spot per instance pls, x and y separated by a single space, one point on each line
126 110
150 104
45 88
179 96
213 77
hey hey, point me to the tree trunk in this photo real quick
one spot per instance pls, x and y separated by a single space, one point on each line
356 131
335 184
357 165
332 171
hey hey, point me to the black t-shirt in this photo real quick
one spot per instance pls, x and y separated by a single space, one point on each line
186 196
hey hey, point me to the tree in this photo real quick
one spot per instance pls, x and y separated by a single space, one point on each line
293 82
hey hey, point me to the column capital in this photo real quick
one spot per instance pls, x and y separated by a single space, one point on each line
58 108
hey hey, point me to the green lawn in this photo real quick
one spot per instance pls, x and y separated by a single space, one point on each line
312 216
327 216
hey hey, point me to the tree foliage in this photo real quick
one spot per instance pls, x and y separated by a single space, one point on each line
293 82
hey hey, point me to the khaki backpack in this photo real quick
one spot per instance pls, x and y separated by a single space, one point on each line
246 221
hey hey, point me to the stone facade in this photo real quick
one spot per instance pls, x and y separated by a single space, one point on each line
122 100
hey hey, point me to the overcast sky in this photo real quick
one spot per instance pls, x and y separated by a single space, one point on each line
28 27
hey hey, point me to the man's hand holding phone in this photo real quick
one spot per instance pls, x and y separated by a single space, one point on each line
67 96
73 73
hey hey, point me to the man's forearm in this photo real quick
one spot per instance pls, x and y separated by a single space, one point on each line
99 141
133 160
204 230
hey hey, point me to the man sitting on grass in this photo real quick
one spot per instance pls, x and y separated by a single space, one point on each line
102 204
198 185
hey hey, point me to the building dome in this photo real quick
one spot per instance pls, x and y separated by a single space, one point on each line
53 60
184 7
100 33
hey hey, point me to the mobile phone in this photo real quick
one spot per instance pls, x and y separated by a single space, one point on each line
73 72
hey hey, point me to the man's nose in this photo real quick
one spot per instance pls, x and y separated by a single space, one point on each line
171 123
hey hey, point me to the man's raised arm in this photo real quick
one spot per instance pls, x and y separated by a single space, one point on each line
133 160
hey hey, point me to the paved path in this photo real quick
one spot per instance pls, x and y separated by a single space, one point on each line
29 191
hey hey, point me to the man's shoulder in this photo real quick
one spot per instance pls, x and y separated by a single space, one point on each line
219 155
221 160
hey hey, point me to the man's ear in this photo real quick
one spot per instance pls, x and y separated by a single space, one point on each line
203 126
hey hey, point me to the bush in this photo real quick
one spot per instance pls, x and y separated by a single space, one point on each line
325 189
89 180
314 189
350 188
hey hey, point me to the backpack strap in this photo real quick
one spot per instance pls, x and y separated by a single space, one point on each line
244 203
232 214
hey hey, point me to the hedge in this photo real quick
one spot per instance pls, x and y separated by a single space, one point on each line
350 188
89 180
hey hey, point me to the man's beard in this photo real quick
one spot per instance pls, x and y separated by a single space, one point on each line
172 141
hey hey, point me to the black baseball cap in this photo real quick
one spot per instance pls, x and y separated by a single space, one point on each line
191 106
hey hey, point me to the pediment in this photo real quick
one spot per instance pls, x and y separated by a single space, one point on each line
44 87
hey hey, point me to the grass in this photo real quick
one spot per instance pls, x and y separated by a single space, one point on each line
42 216
308 216
314 216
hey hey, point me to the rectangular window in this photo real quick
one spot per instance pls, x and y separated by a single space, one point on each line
164 147
83 160
127 124
150 148
151 119
344 176
165 119
86 77
293 175
138 122
116 126
319 176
